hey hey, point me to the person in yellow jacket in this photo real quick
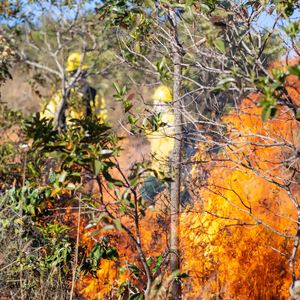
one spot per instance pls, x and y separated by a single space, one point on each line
82 99
162 145
76 109
161 142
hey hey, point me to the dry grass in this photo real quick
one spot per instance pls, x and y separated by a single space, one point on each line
19 95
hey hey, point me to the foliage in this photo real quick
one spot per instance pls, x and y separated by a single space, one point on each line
73 218
7 56
99 251
35 256
56 168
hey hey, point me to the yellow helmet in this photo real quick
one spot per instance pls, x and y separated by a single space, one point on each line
162 94
74 62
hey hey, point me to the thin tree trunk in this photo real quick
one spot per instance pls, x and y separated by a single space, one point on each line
76 249
176 161
60 118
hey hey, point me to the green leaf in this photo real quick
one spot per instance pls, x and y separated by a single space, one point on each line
127 105
54 154
112 180
62 176
273 112
117 87
265 114
149 3
117 224
98 165
148 261
226 81
71 186
97 252
134 182
219 44
158 263
47 192
137 296
295 70
132 120
111 253
110 185
205 8
30 209
134 269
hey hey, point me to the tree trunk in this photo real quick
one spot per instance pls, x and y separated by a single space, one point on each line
176 161
60 118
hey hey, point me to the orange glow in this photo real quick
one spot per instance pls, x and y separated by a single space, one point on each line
230 234
109 274
112 273
236 239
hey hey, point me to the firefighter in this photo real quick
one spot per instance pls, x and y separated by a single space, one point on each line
161 142
162 145
82 100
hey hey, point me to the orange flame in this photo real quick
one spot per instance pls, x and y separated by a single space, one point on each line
238 234
236 240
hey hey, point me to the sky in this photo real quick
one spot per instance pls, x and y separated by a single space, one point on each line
33 11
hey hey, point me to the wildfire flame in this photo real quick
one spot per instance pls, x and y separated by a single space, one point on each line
237 239
113 273
240 234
